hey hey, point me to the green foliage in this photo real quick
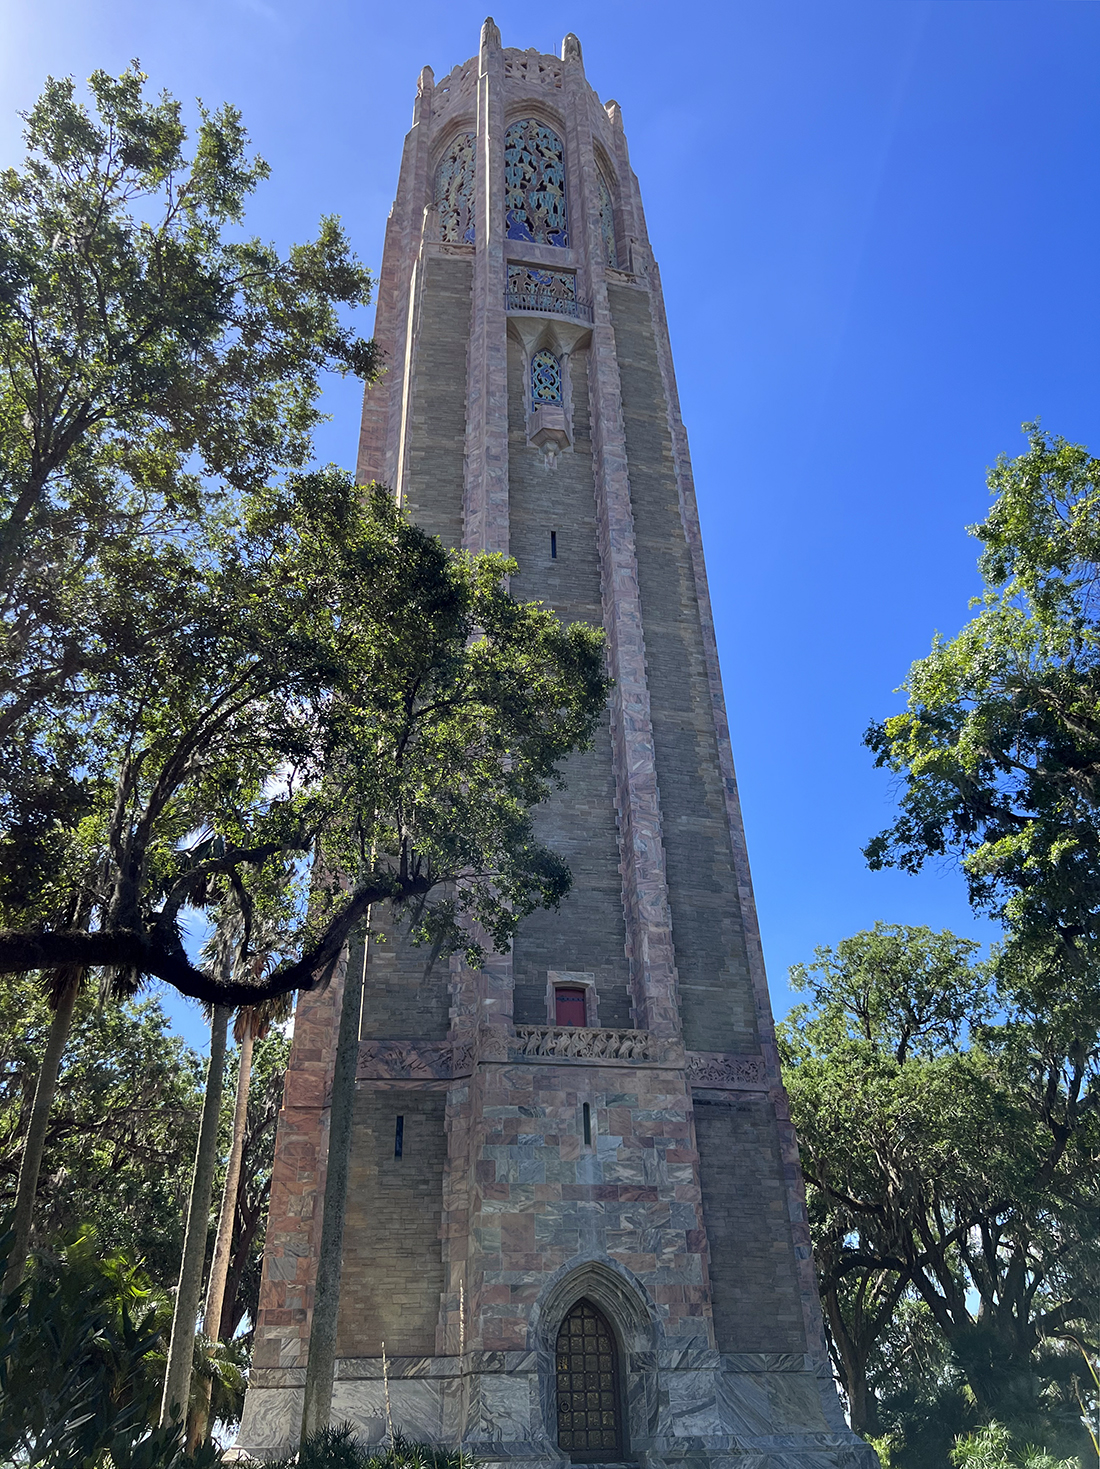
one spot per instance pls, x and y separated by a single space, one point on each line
122 1131
81 1361
155 367
220 679
340 689
338 1448
951 1173
992 1448
999 748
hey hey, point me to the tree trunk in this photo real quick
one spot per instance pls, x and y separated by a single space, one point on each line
852 1351
177 1378
68 987
326 1296
219 1267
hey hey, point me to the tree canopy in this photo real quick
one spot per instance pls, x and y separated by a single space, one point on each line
951 1148
998 751
225 672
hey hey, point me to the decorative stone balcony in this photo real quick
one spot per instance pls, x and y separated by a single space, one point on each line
584 1043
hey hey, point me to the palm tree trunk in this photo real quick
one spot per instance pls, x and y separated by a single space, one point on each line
181 1349
326 1297
219 1268
66 990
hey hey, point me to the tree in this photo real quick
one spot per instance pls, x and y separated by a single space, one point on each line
344 691
152 368
151 361
265 1095
252 1024
120 1133
998 751
951 1171
80 1366
181 1346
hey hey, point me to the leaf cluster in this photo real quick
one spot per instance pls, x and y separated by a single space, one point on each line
121 1133
950 1141
344 713
80 1367
998 751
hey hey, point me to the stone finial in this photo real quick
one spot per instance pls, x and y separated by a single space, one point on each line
425 86
571 48
490 35
614 114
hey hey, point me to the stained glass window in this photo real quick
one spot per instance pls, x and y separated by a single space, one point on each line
454 190
607 221
545 379
534 184
587 1371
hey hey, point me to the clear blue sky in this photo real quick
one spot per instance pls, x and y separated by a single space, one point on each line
877 225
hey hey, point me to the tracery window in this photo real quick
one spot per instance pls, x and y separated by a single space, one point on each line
454 190
607 221
545 379
534 184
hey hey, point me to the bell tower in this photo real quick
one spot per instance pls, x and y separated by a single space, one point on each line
575 1218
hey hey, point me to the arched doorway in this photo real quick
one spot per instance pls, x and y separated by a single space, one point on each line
589 1397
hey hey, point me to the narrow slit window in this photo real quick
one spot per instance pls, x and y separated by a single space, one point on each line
399 1138
587 1113
553 545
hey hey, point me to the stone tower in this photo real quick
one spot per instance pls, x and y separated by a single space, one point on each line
576 1219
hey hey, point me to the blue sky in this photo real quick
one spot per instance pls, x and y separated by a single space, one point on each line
876 222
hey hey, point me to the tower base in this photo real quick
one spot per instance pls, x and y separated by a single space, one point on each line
688 1409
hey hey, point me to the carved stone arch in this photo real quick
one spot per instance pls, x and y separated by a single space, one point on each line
542 111
453 183
607 203
635 1323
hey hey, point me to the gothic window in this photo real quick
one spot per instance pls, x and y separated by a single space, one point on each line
534 184
607 221
454 190
569 1006
587 1368
545 379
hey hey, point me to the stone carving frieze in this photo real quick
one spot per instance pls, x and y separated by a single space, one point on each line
405 1061
583 1043
725 1072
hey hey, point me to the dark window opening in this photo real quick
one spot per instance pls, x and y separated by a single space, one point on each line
569 1007
399 1138
587 1114
553 545
589 1399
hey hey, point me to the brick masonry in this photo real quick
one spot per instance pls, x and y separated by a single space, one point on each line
681 1215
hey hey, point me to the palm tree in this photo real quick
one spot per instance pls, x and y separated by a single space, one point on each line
62 987
181 1347
253 1024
